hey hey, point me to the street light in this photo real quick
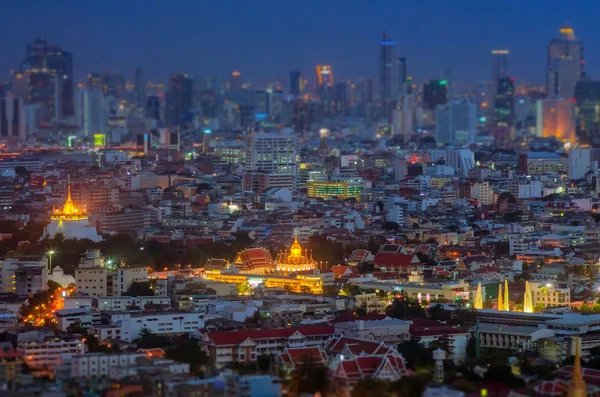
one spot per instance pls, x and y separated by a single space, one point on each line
50 253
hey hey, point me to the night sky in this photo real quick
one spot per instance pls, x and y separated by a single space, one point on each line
264 38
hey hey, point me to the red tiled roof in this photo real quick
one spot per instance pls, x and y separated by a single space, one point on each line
237 337
366 367
393 259
299 355
252 258
339 270
356 346
589 375
550 388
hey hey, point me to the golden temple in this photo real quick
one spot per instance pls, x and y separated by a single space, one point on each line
296 260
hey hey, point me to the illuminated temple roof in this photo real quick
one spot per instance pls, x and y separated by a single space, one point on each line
295 260
69 212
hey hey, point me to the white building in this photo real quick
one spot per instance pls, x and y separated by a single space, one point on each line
387 330
548 294
526 189
99 364
483 192
129 275
58 276
273 154
122 303
129 326
91 275
93 116
47 354
8 267
81 317
579 162
514 338
462 160
456 123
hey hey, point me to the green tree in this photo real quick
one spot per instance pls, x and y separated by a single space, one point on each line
416 355
191 353
371 388
350 290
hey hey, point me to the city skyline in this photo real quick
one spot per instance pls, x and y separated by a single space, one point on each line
213 39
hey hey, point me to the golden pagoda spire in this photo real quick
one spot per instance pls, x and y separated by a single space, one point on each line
577 387
506 300
500 305
478 301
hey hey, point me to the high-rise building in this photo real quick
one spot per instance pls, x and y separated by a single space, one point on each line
12 119
261 103
324 76
456 123
93 114
300 115
388 70
556 118
94 80
179 100
500 64
341 97
435 93
579 162
153 108
113 84
402 117
403 86
139 89
235 82
587 100
50 75
504 100
270 161
295 82
564 65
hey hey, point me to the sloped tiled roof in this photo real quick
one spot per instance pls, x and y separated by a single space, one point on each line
236 337
296 356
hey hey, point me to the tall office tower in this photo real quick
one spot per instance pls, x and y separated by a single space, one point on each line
153 108
403 87
565 64
235 82
179 100
435 93
93 113
94 80
587 100
388 71
270 161
580 160
456 123
295 82
206 83
341 98
50 75
113 84
556 118
499 64
402 117
504 101
300 115
261 103
324 76
139 89
12 119
276 100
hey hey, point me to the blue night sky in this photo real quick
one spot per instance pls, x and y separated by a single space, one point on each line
267 38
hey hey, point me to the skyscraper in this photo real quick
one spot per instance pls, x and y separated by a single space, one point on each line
235 82
403 87
12 119
139 88
587 99
153 108
504 101
324 76
94 80
565 64
499 64
179 100
456 123
295 82
435 92
93 114
388 70
270 161
50 72
113 83
556 118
